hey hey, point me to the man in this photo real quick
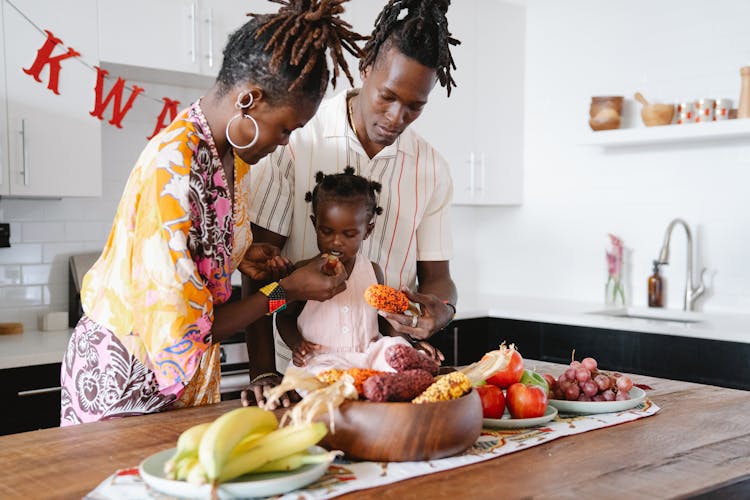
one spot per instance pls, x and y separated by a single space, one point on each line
367 129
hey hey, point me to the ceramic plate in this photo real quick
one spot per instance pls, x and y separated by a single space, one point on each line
248 486
519 423
583 407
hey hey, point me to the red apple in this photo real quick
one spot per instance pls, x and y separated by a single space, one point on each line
510 374
493 401
526 401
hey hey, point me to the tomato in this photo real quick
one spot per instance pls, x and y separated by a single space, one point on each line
510 374
533 378
526 401
551 381
493 401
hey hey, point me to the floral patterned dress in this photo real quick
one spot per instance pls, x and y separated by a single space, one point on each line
144 343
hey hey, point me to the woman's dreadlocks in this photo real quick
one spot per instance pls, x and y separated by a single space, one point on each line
285 52
421 34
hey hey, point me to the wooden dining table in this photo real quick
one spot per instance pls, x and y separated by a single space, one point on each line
697 445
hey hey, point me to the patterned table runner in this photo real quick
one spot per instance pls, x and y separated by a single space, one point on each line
345 476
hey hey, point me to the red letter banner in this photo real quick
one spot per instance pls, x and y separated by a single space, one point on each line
118 112
44 57
170 107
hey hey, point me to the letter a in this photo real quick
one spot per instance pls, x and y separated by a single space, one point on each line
170 107
44 57
118 111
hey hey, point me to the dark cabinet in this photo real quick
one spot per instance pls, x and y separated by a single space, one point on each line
31 397
705 361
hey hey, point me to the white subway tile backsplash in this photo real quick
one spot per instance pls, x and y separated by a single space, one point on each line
25 210
53 250
10 275
20 296
37 232
86 231
38 274
21 254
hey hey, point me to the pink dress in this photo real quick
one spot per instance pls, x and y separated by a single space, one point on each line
346 327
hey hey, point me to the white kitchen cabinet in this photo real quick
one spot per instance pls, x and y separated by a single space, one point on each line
176 35
53 145
480 127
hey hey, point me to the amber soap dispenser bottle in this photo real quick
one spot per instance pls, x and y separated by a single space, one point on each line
656 287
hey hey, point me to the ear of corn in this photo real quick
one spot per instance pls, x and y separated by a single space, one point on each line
386 298
358 374
450 386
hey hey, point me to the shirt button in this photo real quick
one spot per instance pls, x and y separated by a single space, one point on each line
345 309
346 329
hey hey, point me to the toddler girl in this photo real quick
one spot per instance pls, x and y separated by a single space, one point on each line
344 331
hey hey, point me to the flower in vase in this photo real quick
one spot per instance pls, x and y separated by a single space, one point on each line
614 288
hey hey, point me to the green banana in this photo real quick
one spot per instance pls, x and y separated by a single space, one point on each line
247 443
187 444
225 432
196 474
182 468
277 444
295 461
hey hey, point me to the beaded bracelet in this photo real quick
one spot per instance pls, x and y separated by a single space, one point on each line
263 376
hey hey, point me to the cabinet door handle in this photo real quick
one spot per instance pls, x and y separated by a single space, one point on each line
192 32
210 22
472 179
36 392
24 154
481 173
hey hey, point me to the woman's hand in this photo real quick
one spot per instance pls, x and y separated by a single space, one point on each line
252 395
310 282
263 262
435 315
302 351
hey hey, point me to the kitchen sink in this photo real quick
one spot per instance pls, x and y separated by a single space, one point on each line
653 314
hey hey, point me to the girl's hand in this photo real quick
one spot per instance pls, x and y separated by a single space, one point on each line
435 315
303 350
310 282
252 395
263 262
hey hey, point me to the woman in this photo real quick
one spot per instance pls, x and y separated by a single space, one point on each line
153 303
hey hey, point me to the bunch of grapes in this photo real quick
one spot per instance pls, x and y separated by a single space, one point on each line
582 381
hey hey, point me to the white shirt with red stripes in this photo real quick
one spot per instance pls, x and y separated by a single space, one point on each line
415 197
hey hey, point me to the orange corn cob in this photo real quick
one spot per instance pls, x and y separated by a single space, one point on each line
358 374
386 298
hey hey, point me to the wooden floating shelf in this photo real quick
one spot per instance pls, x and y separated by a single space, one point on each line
667 134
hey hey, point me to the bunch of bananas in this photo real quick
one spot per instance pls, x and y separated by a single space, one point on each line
244 440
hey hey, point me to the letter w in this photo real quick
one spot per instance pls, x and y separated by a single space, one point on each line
118 111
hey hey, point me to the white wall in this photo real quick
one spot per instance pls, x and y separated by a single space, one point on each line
553 246
44 233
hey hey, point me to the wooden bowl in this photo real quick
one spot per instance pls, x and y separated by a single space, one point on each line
402 432
657 114
604 112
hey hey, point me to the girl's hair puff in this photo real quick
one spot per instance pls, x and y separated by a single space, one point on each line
346 186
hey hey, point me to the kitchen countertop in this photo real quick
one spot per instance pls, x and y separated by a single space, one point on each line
38 348
732 327
33 348
698 442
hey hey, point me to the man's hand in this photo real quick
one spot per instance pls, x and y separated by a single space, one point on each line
430 350
263 262
434 316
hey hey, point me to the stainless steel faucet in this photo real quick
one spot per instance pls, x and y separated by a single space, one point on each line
691 293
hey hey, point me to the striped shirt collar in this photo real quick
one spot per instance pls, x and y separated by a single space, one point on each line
336 124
